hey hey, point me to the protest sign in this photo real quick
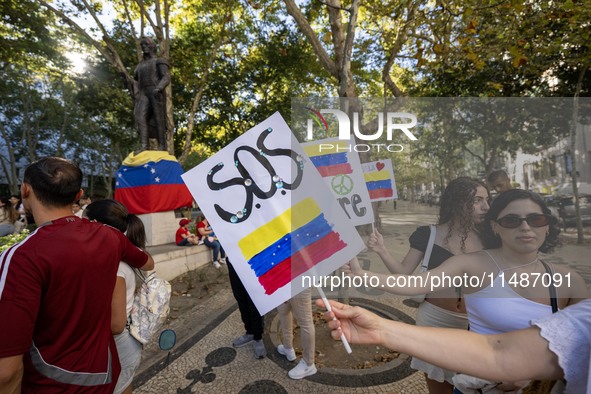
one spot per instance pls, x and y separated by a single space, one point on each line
340 167
272 212
379 178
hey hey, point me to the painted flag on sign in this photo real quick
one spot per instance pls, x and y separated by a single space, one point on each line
329 161
379 178
289 245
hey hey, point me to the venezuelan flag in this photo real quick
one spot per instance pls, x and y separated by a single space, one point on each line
379 184
289 245
330 161
151 182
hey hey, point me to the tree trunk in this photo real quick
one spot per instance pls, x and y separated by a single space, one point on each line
573 146
11 172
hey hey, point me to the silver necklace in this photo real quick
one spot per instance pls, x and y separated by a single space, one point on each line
519 266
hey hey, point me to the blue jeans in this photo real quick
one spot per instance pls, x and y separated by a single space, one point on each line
184 242
216 246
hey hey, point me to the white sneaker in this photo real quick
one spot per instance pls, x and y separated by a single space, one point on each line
302 370
287 352
216 265
222 260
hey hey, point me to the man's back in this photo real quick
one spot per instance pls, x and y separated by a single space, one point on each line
56 287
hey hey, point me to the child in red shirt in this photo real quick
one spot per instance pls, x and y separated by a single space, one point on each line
183 236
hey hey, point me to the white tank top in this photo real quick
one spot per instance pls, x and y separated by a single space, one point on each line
498 308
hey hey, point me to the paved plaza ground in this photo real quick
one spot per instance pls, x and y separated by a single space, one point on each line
203 361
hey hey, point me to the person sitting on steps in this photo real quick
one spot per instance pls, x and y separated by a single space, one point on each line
183 236
206 233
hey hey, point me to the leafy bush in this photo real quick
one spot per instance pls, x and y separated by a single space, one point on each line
9 240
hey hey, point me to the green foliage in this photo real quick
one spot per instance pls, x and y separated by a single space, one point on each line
501 49
509 49
194 159
8 240
236 62
51 111
24 33
261 65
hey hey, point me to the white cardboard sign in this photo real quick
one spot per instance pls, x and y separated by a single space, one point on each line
272 212
379 178
338 163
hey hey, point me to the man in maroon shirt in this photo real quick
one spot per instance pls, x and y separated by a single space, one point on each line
55 291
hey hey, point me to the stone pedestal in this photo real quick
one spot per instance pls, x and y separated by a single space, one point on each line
160 227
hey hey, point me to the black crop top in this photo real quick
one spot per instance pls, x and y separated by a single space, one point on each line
419 240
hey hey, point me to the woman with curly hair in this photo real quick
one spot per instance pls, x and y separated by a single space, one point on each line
507 285
463 205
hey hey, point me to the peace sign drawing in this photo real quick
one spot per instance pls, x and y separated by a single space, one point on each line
342 184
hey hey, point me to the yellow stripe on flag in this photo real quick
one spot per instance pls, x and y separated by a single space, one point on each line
147 156
327 148
288 221
376 176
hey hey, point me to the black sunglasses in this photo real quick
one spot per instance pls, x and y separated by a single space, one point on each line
533 220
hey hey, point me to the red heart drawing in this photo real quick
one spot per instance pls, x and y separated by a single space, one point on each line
380 165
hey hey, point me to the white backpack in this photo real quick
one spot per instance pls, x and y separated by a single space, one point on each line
151 306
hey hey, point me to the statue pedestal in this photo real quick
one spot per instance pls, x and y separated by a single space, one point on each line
160 227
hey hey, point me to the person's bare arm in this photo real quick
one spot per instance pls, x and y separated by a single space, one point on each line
119 307
203 231
188 235
514 356
11 374
406 266
415 284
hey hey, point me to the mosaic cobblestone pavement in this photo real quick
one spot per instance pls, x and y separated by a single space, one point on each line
207 363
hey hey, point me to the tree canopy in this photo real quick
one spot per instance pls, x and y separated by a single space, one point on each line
236 62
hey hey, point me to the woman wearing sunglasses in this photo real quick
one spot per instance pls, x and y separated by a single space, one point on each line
508 285
464 204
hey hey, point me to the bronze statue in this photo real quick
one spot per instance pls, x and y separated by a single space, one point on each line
151 76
